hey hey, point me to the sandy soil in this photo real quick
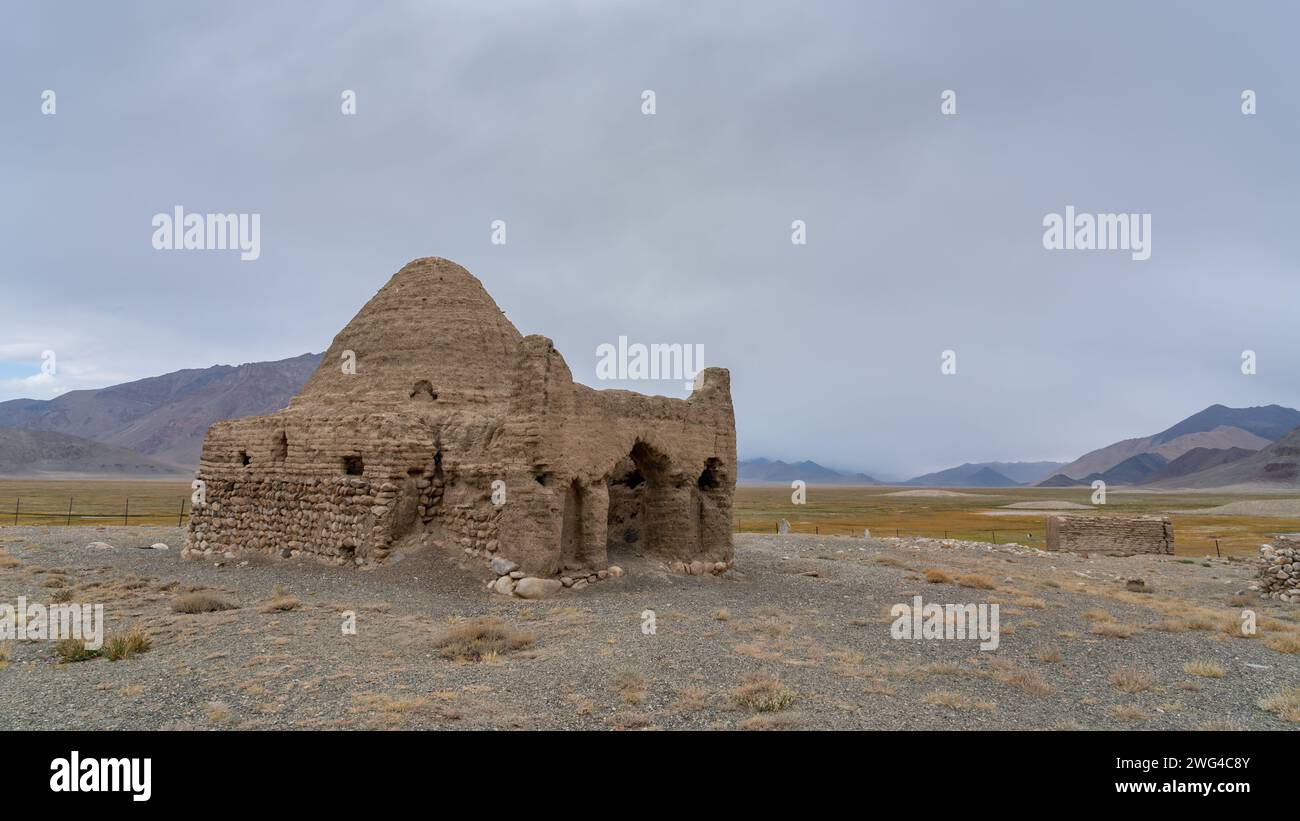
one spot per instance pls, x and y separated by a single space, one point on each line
808 615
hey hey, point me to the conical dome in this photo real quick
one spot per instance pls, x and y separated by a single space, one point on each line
431 335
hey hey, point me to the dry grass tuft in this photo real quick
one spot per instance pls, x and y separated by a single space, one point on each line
934 575
132 643
1204 669
7 561
976 581
1127 712
721 614
1283 642
692 699
4 655
1285 704
769 721
73 650
1028 680
630 684
1112 629
477 639
954 701
200 603
1048 655
763 693
280 602
1130 680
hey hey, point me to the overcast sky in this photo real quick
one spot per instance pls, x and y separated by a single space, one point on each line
924 231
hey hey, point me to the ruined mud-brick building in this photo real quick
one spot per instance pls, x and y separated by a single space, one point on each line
431 419
1110 534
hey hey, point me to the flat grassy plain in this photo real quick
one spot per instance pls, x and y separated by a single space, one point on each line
844 510
836 510
93 502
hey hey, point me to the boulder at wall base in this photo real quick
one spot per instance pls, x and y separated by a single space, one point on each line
531 587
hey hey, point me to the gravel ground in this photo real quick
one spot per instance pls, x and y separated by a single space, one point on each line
809 612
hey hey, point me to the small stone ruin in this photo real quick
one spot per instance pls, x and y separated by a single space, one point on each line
1114 535
1279 572
431 419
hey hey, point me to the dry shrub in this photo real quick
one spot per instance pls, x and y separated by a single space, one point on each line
72 650
1027 680
1204 669
280 602
976 581
1127 712
769 721
1097 614
630 683
200 603
1048 655
691 699
4 655
477 639
1283 642
1112 629
721 614
1130 680
934 575
132 643
1285 704
763 693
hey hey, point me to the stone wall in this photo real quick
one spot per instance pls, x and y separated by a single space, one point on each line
1110 534
1279 572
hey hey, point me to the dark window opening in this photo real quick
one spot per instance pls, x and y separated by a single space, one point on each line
540 478
244 458
280 447
709 477
424 388
353 466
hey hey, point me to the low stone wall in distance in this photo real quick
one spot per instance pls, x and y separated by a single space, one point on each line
1110 534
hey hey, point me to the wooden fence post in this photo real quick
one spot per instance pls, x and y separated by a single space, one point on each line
69 522
126 514
180 517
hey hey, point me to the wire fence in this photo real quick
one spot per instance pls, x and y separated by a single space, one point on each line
992 535
1002 535
146 512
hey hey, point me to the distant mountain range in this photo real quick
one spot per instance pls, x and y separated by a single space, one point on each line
766 471
988 474
163 417
155 427
1216 427
45 454
1213 448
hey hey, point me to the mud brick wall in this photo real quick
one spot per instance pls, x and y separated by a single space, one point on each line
1110 534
